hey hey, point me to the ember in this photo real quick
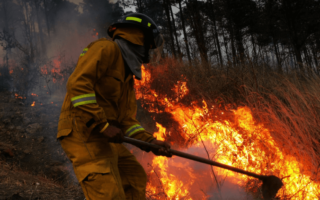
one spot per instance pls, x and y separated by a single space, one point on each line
17 96
232 138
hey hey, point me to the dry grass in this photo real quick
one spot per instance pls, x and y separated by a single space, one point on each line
286 104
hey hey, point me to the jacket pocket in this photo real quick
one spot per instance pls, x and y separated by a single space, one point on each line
64 126
80 128
101 166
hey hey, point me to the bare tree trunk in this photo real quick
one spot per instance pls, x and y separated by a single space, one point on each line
314 53
196 25
216 33
184 33
226 46
45 4
216 47
254 51
298 57
166 8
234 53
139 6
279 62
43 49
6 21
239 43
175 31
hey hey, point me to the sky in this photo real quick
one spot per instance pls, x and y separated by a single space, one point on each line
80 1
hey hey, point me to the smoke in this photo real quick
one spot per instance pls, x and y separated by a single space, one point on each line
50 31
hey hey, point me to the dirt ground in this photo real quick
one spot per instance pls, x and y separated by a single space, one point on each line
32 162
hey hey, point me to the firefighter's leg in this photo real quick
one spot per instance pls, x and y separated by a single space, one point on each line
133 176
95 165
98 186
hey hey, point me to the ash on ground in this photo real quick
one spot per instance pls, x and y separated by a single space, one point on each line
32 162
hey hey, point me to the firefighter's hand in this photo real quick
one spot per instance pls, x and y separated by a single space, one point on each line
164 151
113 134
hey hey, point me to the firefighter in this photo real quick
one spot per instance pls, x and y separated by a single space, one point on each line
100 107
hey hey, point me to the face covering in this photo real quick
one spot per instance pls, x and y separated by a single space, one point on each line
133 55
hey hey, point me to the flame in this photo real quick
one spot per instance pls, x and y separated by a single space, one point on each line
56 67
160 134
17 96
33 103
44 70
33 94
231 137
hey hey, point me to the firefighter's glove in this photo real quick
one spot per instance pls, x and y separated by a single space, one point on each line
164 151
113 134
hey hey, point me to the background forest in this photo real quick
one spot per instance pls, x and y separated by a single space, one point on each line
282 35
226 58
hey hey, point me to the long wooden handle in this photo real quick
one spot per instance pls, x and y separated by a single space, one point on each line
192 157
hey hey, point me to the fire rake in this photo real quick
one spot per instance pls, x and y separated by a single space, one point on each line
270 184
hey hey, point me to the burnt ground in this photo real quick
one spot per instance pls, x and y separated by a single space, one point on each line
32 162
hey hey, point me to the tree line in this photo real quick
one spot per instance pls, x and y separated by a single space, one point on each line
281 34
284 34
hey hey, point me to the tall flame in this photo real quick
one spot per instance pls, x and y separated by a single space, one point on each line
231 137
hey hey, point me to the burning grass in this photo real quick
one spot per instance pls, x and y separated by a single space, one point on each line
248 117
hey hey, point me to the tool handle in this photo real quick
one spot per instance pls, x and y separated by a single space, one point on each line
192 157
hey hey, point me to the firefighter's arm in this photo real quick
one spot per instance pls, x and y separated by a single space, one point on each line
91 66
132 128
130 125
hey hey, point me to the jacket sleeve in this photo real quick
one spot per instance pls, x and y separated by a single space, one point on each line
130 125
92 64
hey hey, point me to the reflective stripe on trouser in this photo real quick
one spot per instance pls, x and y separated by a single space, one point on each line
83 99
134 129
105 170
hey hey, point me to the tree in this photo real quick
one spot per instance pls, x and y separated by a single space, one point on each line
300 20
238 17
198 25
182 19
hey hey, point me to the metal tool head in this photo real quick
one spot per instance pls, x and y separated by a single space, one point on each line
270 186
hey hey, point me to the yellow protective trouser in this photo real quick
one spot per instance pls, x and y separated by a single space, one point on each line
105 170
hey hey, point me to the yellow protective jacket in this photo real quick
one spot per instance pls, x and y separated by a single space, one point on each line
97 92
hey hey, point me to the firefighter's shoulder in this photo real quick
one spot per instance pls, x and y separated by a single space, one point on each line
105 44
